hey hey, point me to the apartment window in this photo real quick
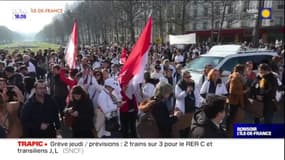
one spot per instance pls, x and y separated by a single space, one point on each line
205 25
195 12
246 5
194 26
230 9
217 24
217 10
205 12
280 5
280 20
229 23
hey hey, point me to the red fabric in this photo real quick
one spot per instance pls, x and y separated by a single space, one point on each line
68 81
134 65
125 106
71 52
123 58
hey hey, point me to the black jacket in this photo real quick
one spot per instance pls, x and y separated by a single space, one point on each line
163 120
269 92
84 121
58 87
202 127
34 113
3 132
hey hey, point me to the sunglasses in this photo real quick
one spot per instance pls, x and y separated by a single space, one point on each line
188 76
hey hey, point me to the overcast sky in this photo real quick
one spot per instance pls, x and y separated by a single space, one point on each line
34 22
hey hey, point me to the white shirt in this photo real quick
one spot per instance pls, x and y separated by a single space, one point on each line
220 89
31 67
115 60
91 85
180 98
178 58
148 90
156 75
96 64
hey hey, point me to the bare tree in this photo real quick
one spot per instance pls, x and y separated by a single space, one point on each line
258 23
225 5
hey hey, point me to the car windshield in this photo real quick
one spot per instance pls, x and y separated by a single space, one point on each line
198 64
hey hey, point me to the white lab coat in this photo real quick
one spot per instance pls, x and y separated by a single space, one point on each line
180 98
220 89
90 86
148 91
105 103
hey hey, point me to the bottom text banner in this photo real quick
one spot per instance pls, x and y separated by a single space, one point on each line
46 149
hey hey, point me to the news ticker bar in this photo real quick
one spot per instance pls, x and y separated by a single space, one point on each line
30 149
259 131
75 146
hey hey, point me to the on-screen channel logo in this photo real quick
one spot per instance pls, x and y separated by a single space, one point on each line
19 14
266 13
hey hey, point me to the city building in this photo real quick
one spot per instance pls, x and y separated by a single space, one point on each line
239 19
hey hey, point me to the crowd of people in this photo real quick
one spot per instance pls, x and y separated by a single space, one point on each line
40 95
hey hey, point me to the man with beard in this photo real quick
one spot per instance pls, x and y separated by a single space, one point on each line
58 89
40 114
187 98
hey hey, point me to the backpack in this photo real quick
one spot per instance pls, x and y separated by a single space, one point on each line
147 126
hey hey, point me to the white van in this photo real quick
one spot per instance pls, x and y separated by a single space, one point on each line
225 57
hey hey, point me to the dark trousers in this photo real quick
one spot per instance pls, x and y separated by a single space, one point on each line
268 112
185 133
48 133
268 117
128 124
230 119
60 101
3 132
82 134
256 120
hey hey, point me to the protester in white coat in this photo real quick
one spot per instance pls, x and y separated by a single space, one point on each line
89 82
148 87
108 105
187 94
213 85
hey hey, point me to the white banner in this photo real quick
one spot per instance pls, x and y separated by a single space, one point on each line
183 39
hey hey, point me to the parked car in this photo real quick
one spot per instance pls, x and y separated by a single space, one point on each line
225 57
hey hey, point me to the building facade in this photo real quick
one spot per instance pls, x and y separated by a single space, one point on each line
239 19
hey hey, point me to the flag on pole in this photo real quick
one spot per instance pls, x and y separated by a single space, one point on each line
71 50
123 58
131 74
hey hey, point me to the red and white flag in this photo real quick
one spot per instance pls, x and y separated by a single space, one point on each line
123 58
131 74
71 50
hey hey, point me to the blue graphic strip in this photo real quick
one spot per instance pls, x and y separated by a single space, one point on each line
259 131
